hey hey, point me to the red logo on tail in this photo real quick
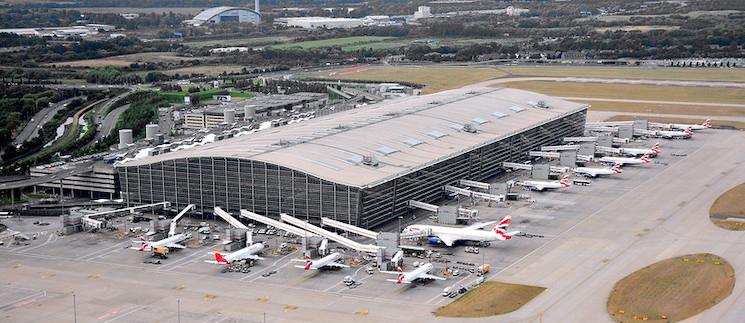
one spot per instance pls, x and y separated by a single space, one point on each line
307 266
220 259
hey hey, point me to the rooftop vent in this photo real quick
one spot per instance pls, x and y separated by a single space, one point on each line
498 114
370 160
542 105
470 128
385 150
436 134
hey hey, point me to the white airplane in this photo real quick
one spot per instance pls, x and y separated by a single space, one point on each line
595 172
681 126
635 152
449 235
625 160
422 272
543 185
170 243
248 252
675 134
328 261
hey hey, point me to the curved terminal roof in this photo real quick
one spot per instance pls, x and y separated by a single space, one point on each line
211 12
403 135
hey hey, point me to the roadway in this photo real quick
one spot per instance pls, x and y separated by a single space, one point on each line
31 130
71 170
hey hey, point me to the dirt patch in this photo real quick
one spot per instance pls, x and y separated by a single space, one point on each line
672 290
125 60
728 211
489 299
716 123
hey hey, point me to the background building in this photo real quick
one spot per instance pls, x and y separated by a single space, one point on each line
319 22
360 166
225 14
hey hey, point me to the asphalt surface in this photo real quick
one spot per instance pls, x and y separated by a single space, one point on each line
31 130
592 236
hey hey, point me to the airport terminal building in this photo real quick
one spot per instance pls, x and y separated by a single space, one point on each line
360 166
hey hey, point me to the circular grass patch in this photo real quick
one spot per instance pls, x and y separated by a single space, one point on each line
672 290
728 211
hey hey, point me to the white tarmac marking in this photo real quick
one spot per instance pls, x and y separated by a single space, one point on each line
125 313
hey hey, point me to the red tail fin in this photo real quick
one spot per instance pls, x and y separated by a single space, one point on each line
502 233
400 279
144 246
220 259
307 266
504 223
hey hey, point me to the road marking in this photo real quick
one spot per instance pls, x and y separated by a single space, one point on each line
42 293
104 251
126 313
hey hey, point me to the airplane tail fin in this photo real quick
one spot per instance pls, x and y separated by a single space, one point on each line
505 223
307 266
707 123
689 132
645 159
220 259
502 235
617 168
565 181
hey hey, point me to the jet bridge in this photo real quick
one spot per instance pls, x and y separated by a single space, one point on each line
552 169
616 140
330 235
349 228
424 206
560 148
282 226
607 150
229 218
475 184
172 229
469 193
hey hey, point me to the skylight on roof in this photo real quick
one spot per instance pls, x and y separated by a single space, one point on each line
413 142
456 126
436 134
385 150
498 114
355 159
479 120
517 109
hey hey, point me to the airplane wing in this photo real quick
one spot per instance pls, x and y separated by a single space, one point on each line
447 240
479 225
336 264
252 257
175 245
396 281
433 277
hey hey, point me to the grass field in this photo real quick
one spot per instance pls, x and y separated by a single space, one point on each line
238 42
629 107
436 78
730 204
633 92
715 122
671 290
348 42
489 299
682 74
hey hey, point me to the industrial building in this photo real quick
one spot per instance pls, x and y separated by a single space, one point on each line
319 22
259 107
360 166
218 15
101 181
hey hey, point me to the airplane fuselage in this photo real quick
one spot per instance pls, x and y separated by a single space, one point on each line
415 274
622 160
244 253
594 172
457 234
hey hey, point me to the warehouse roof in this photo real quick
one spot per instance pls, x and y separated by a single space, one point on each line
211 12
403 135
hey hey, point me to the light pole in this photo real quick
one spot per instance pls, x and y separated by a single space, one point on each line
178 305
74 308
